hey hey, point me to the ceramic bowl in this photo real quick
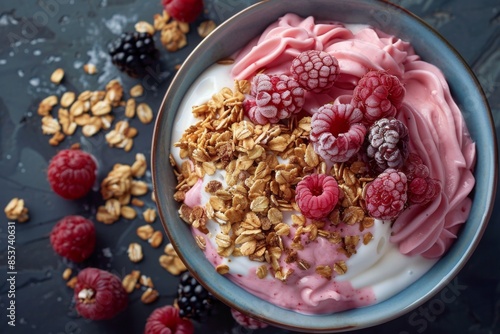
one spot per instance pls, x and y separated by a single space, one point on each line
235 33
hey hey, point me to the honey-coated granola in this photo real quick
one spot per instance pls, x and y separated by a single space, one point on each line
262 165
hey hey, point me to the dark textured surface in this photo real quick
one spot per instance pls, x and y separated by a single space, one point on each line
38 36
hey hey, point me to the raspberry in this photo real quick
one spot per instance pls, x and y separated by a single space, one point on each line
274 98
388 143
193 300
378 94
166 320
183 10
73 237
386 196
337 133
421 187
315 71
134 53
246 321
316 195
72 173
99 294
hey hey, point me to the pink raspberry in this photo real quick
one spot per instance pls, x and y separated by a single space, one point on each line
314 70
166 320
73 237
379 95
99 294
273 98
316 195
337 133
246 321
421 187
386 196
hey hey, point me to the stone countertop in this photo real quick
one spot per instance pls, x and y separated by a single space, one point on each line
36 37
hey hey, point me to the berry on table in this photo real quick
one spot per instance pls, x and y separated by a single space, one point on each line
316 195
421 187
386 196
388 143
183 10
72 173
99 294
315 70
193 300
134 53
73 237
273 98
379 95
337 133
246 321
166 320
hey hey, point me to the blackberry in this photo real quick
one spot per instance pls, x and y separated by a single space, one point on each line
388 143
193 300
133 53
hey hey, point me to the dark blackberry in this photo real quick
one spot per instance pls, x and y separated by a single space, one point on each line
388 143
133 53
193 300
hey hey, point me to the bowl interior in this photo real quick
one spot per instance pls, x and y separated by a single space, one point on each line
432 48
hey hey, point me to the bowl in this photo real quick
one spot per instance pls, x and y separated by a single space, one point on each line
251 22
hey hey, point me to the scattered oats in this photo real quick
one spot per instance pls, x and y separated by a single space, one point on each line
90 68
149 215
225 61
143 26
156 239
46 105
144 113
57 76
130 108
72 282
135 252
130 281
324 271
201 242
171 262
145 232
137 202
16 210
205 28
67 274
128 212
149 296
137 90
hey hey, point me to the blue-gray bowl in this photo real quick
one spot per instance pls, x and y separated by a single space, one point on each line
235 33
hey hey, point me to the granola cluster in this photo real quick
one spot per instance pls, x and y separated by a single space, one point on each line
262 164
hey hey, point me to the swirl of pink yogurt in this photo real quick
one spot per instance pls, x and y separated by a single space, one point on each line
436 127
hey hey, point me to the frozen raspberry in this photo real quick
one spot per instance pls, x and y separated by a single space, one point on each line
314 70
388 143
421 187
246 321
73 237
386 196
378 94
72 173
166 320
99 294
183 10
273 98
316 195
337 133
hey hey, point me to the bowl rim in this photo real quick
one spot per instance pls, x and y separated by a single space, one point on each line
346 321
